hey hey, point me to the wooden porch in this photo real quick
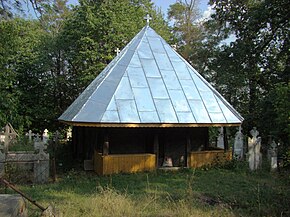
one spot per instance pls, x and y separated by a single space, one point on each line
129 150
123 163
203 158
131 163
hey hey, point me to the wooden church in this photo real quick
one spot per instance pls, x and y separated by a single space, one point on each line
147 109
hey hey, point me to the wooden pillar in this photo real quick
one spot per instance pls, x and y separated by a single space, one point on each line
106 145
226 142
91 142
156 149
96 141
206 138
74 140
79 144
188 150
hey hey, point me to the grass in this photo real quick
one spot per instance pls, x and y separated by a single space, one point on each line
207 192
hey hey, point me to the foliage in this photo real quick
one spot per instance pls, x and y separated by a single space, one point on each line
48 62
95 29
252 70
183 15
45 63
188 32
17 65
13 8
9 96
22 144
286 160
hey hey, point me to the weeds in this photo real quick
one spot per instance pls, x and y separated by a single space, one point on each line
212 192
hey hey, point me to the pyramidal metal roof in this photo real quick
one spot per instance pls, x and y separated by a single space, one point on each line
150 83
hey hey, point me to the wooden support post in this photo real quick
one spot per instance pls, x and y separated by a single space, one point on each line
156 149
96 141
206 138
74 140
80 143
106 145
226 142
188 150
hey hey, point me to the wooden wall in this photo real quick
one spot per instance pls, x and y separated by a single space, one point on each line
203 158
125 163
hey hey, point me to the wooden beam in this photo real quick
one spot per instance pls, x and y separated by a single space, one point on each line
106 145
188 150
156 149
226 142
74 140
79 147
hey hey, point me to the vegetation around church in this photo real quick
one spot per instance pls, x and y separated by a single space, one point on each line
48 59
228 191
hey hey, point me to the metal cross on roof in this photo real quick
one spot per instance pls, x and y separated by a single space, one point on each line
117 50
148 18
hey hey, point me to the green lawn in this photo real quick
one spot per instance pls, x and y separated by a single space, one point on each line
207 192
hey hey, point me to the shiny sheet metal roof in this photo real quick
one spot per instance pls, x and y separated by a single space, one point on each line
148 82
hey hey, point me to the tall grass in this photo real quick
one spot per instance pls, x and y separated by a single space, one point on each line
208 192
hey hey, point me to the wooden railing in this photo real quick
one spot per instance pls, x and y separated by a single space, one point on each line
203 158
123 163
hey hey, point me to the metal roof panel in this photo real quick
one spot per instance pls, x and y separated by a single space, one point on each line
143 100
149 82
165 111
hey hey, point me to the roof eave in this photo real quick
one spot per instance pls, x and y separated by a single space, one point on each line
153 125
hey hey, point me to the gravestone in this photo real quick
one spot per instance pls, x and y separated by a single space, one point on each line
41 162
2 160
37 141
12 205
2 137
45 136
30 135
254 146
272 155
220 139
174 46
8 136
239 144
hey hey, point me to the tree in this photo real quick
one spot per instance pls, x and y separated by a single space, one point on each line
94 30
259 58
33 69
9 96
17 60
185 27
9 7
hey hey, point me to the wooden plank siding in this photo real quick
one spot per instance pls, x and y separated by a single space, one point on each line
123 163
203 158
